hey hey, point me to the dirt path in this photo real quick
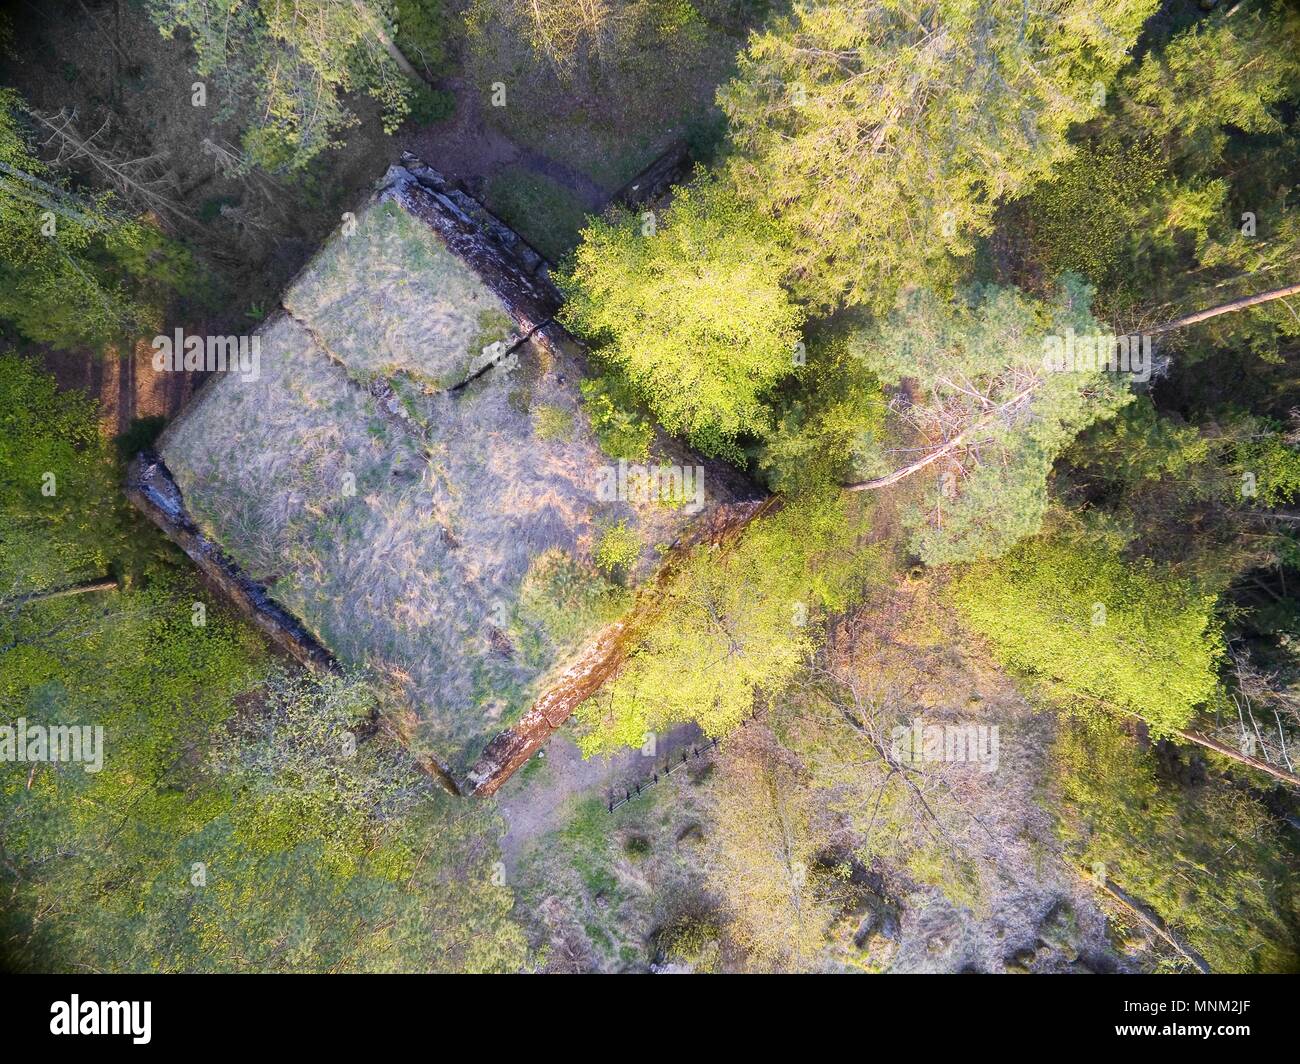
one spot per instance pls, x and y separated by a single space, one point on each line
473 151
536 801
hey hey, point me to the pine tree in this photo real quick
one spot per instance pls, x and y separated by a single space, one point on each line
884 136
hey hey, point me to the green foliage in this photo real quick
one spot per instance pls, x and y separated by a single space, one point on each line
731 625
829 427
1152 208
637 847
1208 859
431 105
233 824
43 429
1273 460
422 32
553 422
544 211
691 312
1098 630
884 137
564 600
59 488
296 749
1222 72
1139 445
618 549
282 852
1143 478
73 269
621 429
1085 214
238 823
284 67
694 941
979 366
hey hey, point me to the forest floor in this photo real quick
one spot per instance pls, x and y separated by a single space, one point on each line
1028 908
107 66
557 153
540 798
597 887
594 885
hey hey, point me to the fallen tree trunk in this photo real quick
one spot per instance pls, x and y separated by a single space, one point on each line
1236 755
1150 920
1228 308
105 583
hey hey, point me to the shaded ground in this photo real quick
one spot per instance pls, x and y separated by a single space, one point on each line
905 647
540 798
473 151
105 62
555 154
596 889
551 147
127 387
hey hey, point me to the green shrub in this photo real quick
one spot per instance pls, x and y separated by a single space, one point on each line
692 940
544 212
637 847
1275 465
566 599
422 27
618 549
621 429
430 105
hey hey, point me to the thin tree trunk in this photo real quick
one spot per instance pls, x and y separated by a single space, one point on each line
1236 755
1177 323
381 35
1144 914
106 583
1228 308
947 448
908 470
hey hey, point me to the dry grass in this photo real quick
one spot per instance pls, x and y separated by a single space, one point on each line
402 534
387 297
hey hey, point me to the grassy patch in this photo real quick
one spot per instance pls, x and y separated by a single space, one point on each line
565 600
549 216
587 835
387 297
553 422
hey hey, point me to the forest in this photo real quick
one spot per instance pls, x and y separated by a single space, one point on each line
975 322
